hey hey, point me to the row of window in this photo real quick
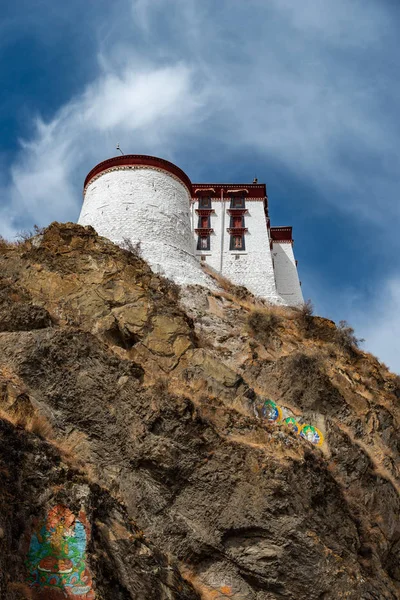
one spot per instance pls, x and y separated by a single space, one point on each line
236 242
235 222
236 227
235 202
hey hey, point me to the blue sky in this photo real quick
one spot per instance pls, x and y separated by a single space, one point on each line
304 95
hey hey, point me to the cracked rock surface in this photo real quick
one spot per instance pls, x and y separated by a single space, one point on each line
139 403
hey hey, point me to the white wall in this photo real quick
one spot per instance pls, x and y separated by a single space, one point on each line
149 206
254 268
287 279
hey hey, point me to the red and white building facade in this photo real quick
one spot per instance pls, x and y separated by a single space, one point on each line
181 224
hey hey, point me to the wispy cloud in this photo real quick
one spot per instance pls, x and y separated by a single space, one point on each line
293 89
152 105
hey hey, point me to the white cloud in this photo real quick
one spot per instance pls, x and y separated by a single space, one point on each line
379 324
292 89
147 106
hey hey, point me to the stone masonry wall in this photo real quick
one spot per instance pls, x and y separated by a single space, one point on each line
151 207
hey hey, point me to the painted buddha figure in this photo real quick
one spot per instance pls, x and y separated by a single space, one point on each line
57 557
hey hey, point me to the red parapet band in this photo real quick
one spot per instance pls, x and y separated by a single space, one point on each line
130 160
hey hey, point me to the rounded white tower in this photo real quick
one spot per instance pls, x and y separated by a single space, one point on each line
146 200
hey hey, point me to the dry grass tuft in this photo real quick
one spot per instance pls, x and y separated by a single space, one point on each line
305 316
263 324
3 243
169 288
235 293
342 335
40 426
131 248
8 417
25 235
345 337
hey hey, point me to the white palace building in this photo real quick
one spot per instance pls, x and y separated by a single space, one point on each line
180 224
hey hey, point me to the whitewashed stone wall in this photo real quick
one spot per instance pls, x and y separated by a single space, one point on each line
252 267
149 206
286 276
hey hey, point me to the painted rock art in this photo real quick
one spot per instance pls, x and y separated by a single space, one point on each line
57 557
275 414
271 411
292 424
312 434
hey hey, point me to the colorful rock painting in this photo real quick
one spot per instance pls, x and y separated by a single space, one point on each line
292 424
312 434
274 414
57 557
271 411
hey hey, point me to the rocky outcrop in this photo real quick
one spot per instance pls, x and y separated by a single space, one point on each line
132 435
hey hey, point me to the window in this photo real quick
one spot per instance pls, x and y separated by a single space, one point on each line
205 202
237 221
237 202
203 242
237 242
204 222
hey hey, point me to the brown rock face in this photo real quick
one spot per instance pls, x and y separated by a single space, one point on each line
138 408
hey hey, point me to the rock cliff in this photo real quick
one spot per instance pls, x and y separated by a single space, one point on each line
137 457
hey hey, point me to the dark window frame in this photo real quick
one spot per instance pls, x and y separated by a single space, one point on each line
238 202
203 237
232 242
200 225
205 202
232 224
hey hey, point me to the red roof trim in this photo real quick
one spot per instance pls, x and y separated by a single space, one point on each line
237 192
204 191
128 160
281 234
255 190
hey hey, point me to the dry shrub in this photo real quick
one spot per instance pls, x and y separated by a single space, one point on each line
4 243
26 234
342 335
169 288
305 316
134 249
263 324
345 337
